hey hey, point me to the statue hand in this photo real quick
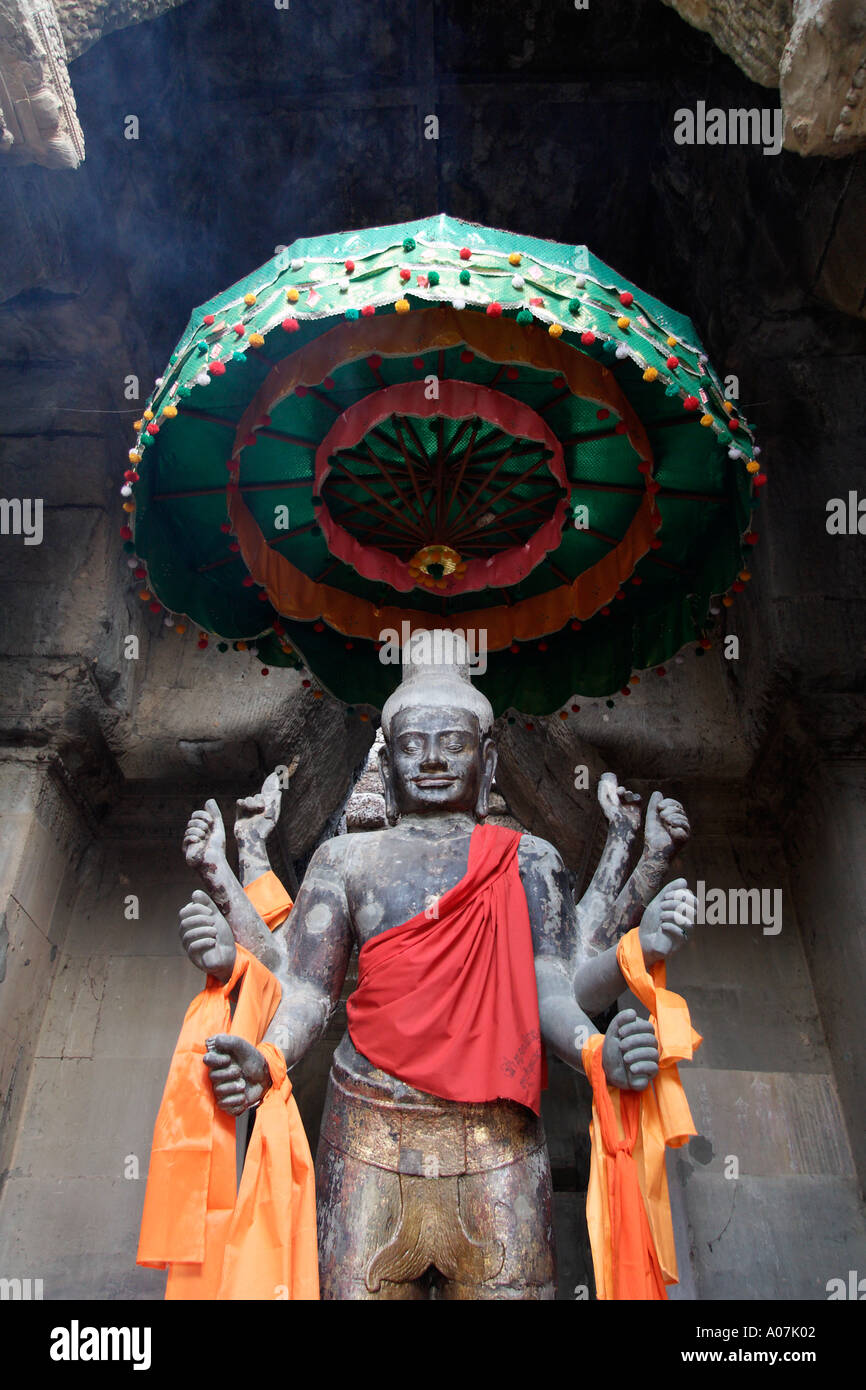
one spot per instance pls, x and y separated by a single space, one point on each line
204 841
620 807
667 828
238 1073
630 1052
257 815
207 937
667 920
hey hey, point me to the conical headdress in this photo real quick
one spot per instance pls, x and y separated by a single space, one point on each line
436 673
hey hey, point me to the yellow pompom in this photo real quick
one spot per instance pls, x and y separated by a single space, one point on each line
555 330
672 342
138 426
284 647
745 575
514 258
170 412
623 322
256 340
180 628
317 694
402 306
292 295
129 506
706 419
242 646
752 466
563 714
144 595
134 456
651 374
727 600
148 414
634 680
728 405
249 299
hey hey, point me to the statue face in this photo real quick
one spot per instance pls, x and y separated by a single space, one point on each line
436 762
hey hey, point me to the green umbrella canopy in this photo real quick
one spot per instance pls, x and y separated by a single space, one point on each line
436 424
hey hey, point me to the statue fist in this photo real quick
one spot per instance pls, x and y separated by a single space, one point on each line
238 1073
667 921
207 937
620 807
257 815
630 1052
204 841
667 827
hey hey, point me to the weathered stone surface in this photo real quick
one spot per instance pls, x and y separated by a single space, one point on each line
38 120
812 50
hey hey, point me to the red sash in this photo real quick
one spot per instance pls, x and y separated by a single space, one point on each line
448 1001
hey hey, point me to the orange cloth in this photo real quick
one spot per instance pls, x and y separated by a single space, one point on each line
270 899
260 1242
627 1204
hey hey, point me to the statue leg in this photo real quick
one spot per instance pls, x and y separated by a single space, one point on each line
359 1207
514 1205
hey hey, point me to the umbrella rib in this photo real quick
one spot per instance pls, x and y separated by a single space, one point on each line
411 471
359 482
505 491
486 483
463 465
245 487
377 463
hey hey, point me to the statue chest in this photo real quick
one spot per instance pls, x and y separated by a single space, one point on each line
401 878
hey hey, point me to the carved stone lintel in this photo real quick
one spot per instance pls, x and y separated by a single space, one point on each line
38 121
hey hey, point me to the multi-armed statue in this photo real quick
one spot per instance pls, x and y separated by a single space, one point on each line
432 1174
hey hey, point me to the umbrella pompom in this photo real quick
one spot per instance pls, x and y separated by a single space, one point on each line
249 300
626 298
368 310
574 306
465 253
402 306
514 258
587 338
555 330
409 243
623 322
690 403
524 316
494 309
465 276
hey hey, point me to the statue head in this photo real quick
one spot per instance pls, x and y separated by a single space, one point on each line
439 755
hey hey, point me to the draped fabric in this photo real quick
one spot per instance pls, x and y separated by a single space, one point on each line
627 1205
218 1243
270 899
447 1001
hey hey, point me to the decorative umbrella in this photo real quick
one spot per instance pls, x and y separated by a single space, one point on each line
433 425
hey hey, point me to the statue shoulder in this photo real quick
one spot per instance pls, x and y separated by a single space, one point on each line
535 853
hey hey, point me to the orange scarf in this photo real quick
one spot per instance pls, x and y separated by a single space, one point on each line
260 1242
270 899
627 1204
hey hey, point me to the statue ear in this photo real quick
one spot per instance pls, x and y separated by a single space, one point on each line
392 815
488 772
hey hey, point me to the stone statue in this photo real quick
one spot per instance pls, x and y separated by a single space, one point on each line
418 1196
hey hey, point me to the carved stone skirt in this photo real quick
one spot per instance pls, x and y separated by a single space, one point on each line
422 1198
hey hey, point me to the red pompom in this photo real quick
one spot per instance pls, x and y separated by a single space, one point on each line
626 690
140 572
661 671
467 355
374 361
542 646
652 486
751 538
202 643
300 390
290 325
208 319
620 428
248 581
620 593
153 427
234 547
514 648
602 414
264 422
575 709
673 361
249 441
155 607
465 253
265 671
732 423
350 266
239 329
626 297
587 338
368 310
262 596
512 373
318 627
636 579
278 627
494 309
690 403
759 480
125 533
405 274
530 727
655 543
738 586
328 383
130 475
226 528
575 625
644 467
306 684
217 368
418 363
605 612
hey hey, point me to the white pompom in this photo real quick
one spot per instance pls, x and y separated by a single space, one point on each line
159 381
343 285
132 563
459 303
126 490
621 352
580 281
202 379
734 453
297 264
517 282
169 621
